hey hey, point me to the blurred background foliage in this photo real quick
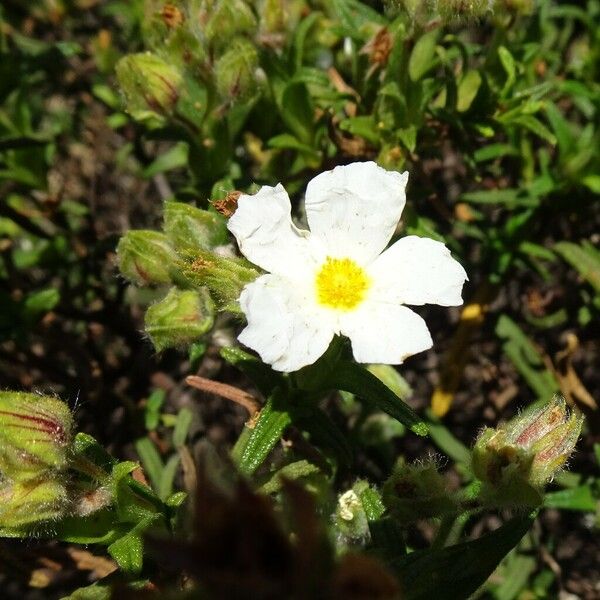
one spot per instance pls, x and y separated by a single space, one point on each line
110 109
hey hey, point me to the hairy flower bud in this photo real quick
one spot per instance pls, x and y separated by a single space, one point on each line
518 458
350 520
225 277
35 434
180 318
228 18
150 86
417 491
235 71
24 504
422 11
460 10
189 228
146 257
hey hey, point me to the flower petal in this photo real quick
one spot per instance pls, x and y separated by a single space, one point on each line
355 209
417 271
282 328
262 225
385 333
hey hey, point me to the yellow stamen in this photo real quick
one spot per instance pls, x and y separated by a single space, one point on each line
341 284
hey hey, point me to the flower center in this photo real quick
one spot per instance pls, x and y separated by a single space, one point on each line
341 284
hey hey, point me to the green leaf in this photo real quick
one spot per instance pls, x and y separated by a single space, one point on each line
526 358
578 498
182 426
42 301
265 379
422 58
467 90
390 376
128 550
297 111
175 157
151 460
515 575
167 476
510 197
295 470
85 447
535 126
408 136
351 377
96 591
98 528
509 66
300 35
355 15
492 151
287 141
455 572
562 128
363 126
152 410
272 422
585 259
592 182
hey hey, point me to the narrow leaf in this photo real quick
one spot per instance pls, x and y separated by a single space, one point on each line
422 57
586 262
272 422
151 460
455 572
351 377
579 498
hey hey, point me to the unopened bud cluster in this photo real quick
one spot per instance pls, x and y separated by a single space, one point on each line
191 259
458 11
35 440
517 459
199 51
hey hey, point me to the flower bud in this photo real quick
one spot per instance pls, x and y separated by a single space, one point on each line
180 318
235 71
31 502
463 10
527 451
35 434
350 519
150 86
272 15
417 491
228 18
189 228
170 30
225 277
278 17
147 257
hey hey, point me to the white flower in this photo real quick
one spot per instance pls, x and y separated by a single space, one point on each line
334 279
